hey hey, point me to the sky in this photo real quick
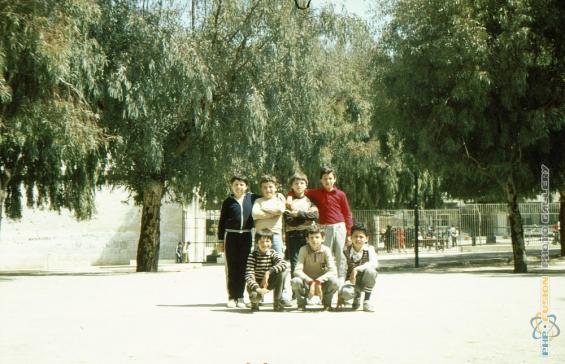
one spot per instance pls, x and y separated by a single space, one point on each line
359 7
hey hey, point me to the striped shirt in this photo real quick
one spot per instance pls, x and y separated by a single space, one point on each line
258 263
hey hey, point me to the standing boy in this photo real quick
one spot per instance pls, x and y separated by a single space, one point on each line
301 215
266 270
315 272
234 229
335 215
361 270
268 210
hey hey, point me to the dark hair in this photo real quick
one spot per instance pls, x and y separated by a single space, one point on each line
239 177
327 170
359 226
298 176
315 229
269 178
263 233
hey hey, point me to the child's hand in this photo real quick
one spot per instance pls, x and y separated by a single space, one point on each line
312 291
265 281
318 290
262 291
353 276
289 202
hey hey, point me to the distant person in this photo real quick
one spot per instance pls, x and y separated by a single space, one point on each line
400 238
301 214
361 270
179 252
452 235
388 239
556 233
234 232
266 270
185 246
315 273
335 215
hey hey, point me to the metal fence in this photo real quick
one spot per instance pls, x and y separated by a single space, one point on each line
472 224
439 229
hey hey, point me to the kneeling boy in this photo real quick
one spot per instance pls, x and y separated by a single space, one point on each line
361 269
266 270
315 272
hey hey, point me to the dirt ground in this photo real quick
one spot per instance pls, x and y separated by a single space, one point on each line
474 315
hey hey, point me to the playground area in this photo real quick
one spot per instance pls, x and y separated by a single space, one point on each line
110 315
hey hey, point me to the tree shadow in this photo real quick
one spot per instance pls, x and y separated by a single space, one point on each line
494 271
60 274
197 305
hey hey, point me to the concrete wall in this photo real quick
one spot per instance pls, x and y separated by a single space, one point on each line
46 240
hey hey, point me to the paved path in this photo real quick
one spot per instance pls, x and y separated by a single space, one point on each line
179 317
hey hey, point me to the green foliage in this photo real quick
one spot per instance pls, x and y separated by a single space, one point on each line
48 130
470 87
156 91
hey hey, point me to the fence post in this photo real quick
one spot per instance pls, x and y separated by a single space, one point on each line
416 220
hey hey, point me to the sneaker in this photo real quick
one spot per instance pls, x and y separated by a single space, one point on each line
285 303
278 307
240 303
355 305
368 307
231 304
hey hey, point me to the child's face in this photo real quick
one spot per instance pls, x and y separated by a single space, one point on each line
298 187
264 244
358 239
328 181
268 189
238 188
315 241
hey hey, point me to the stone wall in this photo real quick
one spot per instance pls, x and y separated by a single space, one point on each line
46 240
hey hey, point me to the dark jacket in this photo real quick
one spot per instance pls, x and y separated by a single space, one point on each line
231 216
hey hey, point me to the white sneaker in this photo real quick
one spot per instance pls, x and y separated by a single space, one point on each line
231 304
368 307
241 304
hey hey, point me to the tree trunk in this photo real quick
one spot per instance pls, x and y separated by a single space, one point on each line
562 220
4 180
2 199
149 237
516 229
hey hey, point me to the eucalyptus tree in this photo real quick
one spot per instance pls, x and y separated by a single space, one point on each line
49 131
155 94
470 87
270 106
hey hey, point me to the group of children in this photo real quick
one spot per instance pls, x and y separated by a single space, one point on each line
327 253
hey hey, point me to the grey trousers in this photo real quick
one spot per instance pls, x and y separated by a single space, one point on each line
335 240
276 283
365 281
300 289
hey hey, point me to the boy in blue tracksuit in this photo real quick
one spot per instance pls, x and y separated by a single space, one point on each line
234 231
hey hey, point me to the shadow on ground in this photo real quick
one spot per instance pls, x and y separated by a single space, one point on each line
54 274
196 305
